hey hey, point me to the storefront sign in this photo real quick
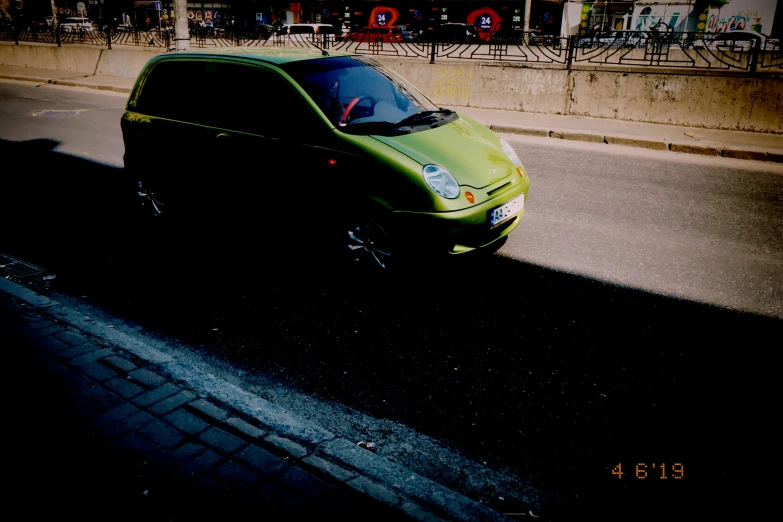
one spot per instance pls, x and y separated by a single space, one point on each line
485 20
295 7
583 18
382 16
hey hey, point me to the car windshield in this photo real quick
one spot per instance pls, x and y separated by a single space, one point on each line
375 99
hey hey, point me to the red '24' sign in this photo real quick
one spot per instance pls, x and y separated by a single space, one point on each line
382 16
486 20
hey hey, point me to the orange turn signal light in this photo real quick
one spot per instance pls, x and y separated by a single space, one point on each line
469 197
520 172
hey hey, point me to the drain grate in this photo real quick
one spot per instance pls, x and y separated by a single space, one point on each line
13 268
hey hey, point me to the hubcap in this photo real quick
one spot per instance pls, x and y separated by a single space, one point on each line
368 243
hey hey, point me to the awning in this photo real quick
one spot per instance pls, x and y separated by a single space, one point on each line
145 2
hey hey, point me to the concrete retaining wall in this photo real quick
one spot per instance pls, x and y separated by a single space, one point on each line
75 59
718 102
78 59
751 104
123 62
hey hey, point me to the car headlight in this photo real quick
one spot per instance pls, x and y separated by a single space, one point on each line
510 152
440 181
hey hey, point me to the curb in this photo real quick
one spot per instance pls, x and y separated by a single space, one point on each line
66 83
70 83
268 426
712 149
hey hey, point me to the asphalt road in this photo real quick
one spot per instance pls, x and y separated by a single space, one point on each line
632 318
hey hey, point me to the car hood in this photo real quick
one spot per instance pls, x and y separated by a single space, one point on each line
467 149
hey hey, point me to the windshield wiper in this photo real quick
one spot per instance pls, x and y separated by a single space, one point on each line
387 128
420 116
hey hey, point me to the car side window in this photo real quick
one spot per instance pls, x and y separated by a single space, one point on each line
162 94
259 101
229 96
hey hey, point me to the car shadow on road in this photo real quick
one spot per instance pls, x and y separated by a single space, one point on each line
556 377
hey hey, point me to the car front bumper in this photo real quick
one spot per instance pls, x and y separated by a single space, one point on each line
459 231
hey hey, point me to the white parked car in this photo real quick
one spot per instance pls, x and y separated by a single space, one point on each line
77 24
299 32
738 40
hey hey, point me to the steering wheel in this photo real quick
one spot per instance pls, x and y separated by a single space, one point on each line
351 105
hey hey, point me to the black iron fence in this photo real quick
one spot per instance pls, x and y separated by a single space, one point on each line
746 53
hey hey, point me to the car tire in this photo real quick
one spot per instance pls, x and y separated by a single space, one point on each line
368 245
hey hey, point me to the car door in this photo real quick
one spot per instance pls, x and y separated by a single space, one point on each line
274 153
170 136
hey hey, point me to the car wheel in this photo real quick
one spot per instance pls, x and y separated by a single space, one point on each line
369 245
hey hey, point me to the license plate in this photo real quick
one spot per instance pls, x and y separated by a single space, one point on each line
500 214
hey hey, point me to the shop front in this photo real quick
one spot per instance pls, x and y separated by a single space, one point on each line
495 16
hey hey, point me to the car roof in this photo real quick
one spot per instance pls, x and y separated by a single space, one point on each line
274 55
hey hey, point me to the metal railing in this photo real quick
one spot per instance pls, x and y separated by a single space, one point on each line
690 51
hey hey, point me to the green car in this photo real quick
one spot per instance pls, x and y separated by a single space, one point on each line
304 146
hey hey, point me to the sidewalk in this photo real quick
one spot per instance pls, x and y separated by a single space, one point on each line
675 138
109 422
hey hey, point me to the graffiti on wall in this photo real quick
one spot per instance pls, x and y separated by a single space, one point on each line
737 15
542 82
453 83
661 17
744 20
723 25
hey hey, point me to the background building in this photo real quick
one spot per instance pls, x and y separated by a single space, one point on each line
549 16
